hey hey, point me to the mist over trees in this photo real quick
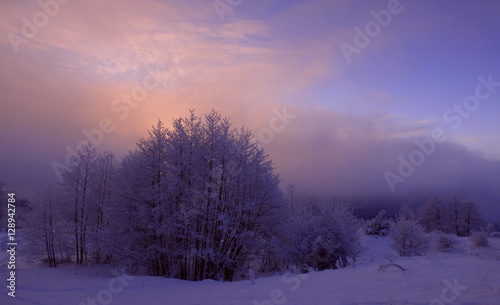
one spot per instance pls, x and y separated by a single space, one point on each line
445 218
201 200
68 220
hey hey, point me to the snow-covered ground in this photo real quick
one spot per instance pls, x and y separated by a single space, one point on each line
463 276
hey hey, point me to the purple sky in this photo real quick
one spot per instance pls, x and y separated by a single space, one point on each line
356 102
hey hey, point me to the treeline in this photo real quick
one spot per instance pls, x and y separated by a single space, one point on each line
452 216
201 200
198 201
461 218
444 219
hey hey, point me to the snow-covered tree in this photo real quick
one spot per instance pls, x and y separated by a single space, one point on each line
139 214
197 199
408 237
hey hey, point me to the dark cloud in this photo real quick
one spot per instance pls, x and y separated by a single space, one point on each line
327 156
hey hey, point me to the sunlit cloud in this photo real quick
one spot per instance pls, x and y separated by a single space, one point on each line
352 120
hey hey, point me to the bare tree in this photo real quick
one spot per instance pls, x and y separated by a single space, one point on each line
471 217
77 190
456 217
101 196
455 207
42 228
435 215
291 188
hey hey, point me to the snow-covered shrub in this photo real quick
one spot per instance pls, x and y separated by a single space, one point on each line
321 234
408 237
479 239
445 242
379 225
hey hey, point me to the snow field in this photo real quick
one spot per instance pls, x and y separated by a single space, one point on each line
462 276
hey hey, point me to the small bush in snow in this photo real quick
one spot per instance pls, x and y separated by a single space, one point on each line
378 225
386 266
445 242
409 237
490 228
322 236
479 239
